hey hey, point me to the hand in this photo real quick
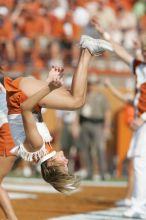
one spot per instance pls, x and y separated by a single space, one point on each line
107 133
96 24
99 29
107 82
136 123
55 77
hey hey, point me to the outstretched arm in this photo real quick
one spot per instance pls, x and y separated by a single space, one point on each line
119 50
33 139
115 91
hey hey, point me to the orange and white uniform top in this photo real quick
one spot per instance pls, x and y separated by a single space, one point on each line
44 153
6 139
139 69
138 142
14 98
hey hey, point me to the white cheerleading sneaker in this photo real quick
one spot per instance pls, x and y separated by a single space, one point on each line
95 46
135 212
124 202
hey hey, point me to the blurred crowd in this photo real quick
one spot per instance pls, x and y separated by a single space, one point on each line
35 34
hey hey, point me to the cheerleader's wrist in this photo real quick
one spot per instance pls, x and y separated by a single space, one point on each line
106 36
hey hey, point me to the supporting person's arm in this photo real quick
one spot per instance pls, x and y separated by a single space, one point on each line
116 92
118 49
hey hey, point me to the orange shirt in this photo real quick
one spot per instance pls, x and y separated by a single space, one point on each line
140 72
56 27
6 140
142 99
129 113
126 4
7 3
33 6
33 27
6 30
15 96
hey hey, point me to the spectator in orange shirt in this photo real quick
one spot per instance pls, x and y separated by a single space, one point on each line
31 27
71 33
6 35
8 3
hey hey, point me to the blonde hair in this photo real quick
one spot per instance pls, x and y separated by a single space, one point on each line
62 182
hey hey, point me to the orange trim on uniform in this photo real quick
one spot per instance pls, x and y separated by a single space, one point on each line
6 140
129 113
49 147
15 96
136 63
142 99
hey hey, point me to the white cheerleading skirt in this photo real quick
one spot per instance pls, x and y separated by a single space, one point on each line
17 129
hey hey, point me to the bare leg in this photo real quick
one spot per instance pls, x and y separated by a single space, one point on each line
61 98
7 163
